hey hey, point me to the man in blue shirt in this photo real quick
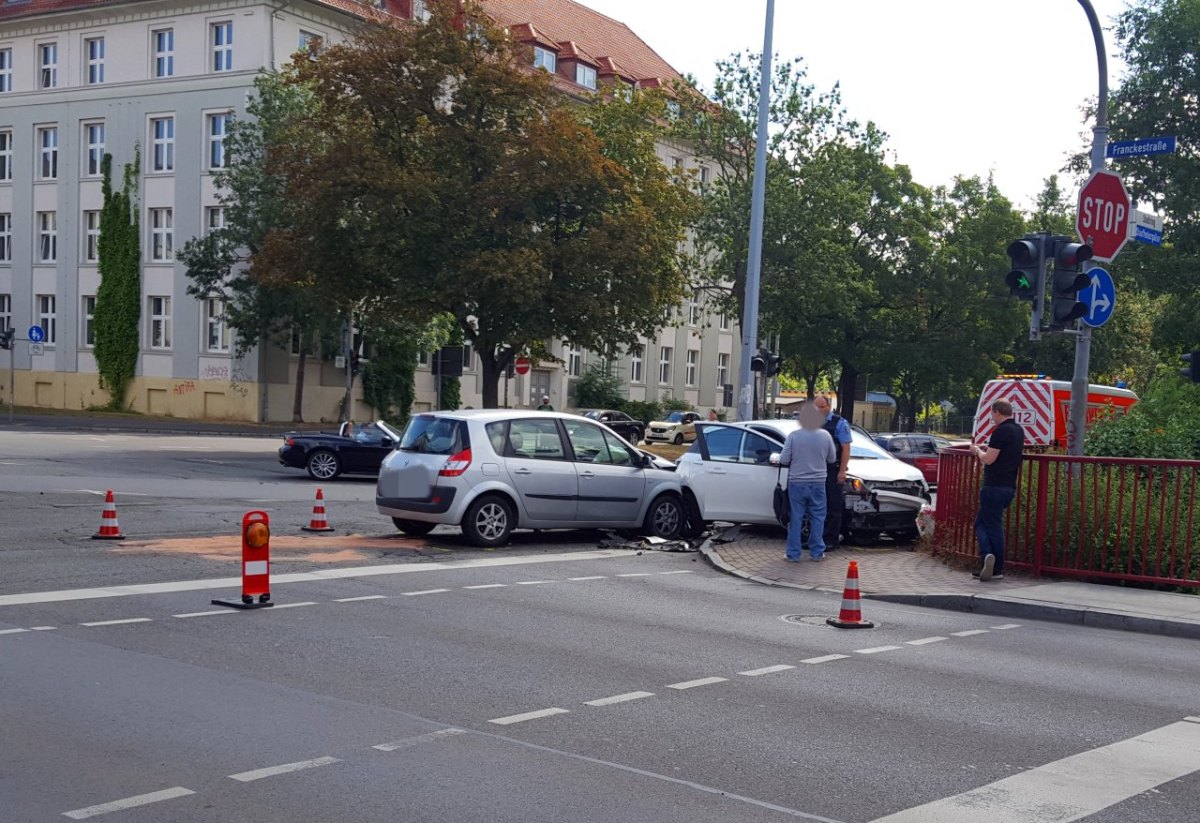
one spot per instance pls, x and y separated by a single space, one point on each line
807 452
835 500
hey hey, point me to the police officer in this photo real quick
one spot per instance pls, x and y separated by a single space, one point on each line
839 430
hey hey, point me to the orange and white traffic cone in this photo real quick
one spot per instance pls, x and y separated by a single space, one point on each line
110 529
851 614
318 522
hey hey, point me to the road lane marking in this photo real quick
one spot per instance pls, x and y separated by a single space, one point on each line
360 599
117 622
825 658
128 803
532 582
636 574
1007 626
488 586
41 628
205 614
680 571
424 591
925 640
295 605
593 577
285 768
691 684
618 698
969 633
417 740
1075 787
29 598
13 631
876 650
521 718
766 670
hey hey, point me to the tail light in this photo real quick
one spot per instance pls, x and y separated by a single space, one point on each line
291 441
457 464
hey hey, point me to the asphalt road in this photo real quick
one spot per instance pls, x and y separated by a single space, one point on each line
546 683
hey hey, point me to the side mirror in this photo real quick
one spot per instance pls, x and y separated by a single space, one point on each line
646 460
387 443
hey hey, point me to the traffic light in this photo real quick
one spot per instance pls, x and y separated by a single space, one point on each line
772 364
6 338
355 363
1192 370
1028 256
758 362
1066 282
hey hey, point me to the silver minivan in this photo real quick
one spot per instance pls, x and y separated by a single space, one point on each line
493 470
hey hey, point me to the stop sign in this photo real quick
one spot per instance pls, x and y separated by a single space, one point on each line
521 366
1104 209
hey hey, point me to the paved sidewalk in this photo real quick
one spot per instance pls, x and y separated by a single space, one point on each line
900 576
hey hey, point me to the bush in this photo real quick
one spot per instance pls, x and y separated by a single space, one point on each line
671 403
598 388
643 410
1165 423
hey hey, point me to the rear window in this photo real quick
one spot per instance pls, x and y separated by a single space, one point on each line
430 434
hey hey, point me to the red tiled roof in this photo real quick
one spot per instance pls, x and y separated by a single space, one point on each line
569 50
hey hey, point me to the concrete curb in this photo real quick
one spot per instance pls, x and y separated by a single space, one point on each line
717 562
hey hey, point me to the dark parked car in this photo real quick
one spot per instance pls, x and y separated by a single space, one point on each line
325 455
920 450
624 425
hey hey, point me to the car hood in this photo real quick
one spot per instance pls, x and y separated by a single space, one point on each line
882 470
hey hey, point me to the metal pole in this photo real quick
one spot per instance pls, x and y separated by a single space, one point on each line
1077 423
754 259
12 377
348 348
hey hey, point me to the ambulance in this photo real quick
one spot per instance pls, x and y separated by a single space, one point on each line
1042 407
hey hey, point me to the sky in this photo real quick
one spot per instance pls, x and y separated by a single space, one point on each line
962 87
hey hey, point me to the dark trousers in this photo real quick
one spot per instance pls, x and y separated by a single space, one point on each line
989 523
835 501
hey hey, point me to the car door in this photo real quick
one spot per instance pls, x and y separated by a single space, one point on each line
367 451
540 471
611 482
737 478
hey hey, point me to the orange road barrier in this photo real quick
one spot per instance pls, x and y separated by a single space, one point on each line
256 563
318 522
110 529
851 614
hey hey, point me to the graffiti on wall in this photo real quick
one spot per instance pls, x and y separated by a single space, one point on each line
186 387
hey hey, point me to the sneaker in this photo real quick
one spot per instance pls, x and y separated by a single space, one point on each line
998 576
792 559
989 563
817 559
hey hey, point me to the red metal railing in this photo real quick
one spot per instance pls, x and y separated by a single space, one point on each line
1091 517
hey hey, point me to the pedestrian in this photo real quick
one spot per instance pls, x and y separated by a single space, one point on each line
807 452
1001 460
835 498
712 415
545 404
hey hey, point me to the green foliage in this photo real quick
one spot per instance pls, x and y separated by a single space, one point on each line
451 393
388 378
671 403
119 297
598 388
644 410
1165 423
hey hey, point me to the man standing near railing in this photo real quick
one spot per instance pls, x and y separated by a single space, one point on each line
1001 460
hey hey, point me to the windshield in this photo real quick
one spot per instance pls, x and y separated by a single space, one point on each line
864 448
429 434
592 415
675 417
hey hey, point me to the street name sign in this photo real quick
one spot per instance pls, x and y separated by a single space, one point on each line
1100 296
1140 148
36 335
1146 227
1103 218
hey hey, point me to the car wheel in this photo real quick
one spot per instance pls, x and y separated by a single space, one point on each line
417 528
323 465
678 439
489 521
665 517
638 436
905 535
693 521
863 537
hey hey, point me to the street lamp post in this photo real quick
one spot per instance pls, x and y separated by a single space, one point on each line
745 406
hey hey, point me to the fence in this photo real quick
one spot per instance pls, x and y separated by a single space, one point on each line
1088 517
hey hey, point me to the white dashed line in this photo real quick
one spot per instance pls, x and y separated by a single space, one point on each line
969 633
593 577
636 574
825 658
295 605
418 739
876 650
488 586
360 599
680 571
691 684
521 718
1007 626
532 582
13 631
41 628
117 622
271 771
206 614
426 591
128 803
766 670
618 698
924 640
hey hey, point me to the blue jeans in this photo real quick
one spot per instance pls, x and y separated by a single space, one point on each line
989 523
807 500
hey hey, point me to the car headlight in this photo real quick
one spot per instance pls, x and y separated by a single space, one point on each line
855 486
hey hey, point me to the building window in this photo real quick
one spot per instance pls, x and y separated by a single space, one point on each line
47 236
692 370
217 332
468 356
162 235
87 313
545 59
47 137
48 65
93 141
6 238
704 173
5 312
160 322
310 43
91 236
665 354
694 313
162 141
672 109
47 318
214 218
423 358
722 370
585 76
93 47
5 70
635 369
221 37
724 321
218 127
420 11
164 52
574 362
6 148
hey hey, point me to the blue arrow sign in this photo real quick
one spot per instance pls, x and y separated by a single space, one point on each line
1100 296
1140 148
36 335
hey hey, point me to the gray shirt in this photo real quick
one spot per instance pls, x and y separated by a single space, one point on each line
806 453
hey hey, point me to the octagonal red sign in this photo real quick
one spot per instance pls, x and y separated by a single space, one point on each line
1103 217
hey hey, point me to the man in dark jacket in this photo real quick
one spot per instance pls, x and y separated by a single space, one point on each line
835 501
1001 460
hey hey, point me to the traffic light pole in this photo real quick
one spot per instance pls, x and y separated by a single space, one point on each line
1077 422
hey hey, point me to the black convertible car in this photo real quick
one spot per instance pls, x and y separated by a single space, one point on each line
325 455
624 425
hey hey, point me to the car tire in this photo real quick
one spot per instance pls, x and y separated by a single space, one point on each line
678 441
416 528
665 517
864 537
489 521
693 522
638 436
323 464
905 535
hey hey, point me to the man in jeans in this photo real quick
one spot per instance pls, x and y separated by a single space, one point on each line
1001 460
807 452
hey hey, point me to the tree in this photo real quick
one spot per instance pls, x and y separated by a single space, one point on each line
119 297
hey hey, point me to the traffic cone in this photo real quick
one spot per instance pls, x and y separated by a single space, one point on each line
318 522
109 528
851 614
